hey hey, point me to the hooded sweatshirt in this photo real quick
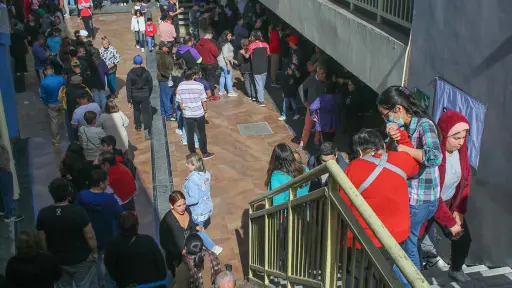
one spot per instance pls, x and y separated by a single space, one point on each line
103 211
459 200
189 54
208 51
139 85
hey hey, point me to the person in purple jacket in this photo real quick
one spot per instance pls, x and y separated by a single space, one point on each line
188 53
324 112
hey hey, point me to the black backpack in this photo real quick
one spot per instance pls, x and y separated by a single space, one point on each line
128 163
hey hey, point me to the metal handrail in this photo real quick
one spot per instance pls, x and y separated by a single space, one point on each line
398 11
338 177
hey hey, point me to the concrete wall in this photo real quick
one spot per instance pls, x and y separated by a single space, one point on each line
469 43
371 54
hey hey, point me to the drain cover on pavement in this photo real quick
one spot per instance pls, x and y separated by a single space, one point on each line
254 129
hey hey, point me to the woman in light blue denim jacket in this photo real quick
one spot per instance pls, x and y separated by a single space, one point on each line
197 189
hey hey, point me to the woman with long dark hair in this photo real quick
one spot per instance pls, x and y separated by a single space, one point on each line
282 168
401 111
226 61
175 226
200 266
75 168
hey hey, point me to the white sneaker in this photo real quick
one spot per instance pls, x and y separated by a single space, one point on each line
222 93
296 117
178 131
217 250
142 49
137 46
281 118
232 94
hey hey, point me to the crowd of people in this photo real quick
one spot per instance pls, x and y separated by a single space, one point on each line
413 173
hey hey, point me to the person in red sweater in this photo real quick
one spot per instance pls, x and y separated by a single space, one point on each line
85 8
120 180
150 33
209 52
275 52
455 175
384 190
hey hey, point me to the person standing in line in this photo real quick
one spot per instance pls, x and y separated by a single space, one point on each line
188 53
173 11
225 279
226 61
84 100
139 86
193 15
90 136
275 52
166 31
40 54
138 26
68 96
110 55
103 211
258 52
114 122
209 53
291 79
99 73
134 258
192 100
164 67
85 7
7 203
49 89
67 234
239 33
245 69
197 190
150 33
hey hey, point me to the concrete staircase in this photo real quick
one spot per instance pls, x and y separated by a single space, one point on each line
481 276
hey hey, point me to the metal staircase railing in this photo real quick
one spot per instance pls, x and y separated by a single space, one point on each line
316 241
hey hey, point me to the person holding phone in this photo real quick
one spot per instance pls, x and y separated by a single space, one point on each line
455 179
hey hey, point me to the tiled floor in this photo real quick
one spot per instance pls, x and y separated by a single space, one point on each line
239 167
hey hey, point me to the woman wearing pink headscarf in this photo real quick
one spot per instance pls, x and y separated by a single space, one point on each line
455 177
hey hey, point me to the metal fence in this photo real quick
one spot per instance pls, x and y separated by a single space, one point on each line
316 241
398 11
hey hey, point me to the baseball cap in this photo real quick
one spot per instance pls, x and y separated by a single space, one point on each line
293 39
75 63
83 33
137 60
164 44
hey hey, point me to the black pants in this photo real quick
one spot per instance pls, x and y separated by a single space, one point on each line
200 125
20 64
209 72
176 24
326 137
89 27
144 108
129 206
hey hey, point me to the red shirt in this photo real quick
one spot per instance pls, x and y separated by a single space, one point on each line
387 195
85 11
150 29
121 181
208 51
257 44
275 42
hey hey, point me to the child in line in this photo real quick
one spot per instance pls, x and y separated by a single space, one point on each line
90 136
150 34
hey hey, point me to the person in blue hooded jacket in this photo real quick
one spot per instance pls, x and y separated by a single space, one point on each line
197 190
104 212
283 168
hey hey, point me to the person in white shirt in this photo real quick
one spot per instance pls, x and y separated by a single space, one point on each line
139 28
85 105
90 136
114 123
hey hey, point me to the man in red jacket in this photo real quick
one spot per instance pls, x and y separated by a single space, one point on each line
85 12
381 178
455 179
209 52
120 180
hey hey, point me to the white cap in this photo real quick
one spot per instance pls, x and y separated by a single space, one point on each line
83 33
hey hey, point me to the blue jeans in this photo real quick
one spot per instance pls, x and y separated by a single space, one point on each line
7 204
179 117
103 276
165 100
286 103
419 215
260 86
111 83
139 39
100 97
208 243
151 41
226 77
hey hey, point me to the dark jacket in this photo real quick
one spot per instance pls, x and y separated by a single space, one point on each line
139 85
164 66
85 71
40 270
18 47
135 260
208 51
189 54
99 73
172 237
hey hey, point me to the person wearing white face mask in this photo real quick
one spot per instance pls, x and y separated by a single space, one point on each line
401 111
455 175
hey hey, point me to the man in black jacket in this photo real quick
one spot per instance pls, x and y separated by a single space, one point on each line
139 86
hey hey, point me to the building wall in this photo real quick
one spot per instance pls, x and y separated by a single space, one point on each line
469 43
371 54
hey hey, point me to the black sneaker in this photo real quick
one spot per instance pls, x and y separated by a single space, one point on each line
138 129
208 155
458 276
13 218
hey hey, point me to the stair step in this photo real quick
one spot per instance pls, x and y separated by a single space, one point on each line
472 269
496 271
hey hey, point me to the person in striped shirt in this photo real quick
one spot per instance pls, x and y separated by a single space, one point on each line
192 100
401 110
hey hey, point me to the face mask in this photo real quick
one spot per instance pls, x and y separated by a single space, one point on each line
390 120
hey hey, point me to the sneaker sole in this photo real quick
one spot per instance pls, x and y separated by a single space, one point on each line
206 158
